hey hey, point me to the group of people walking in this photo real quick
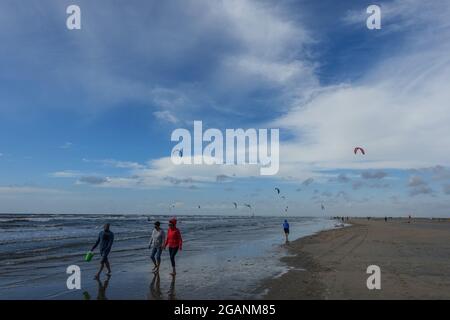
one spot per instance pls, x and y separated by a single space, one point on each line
158 242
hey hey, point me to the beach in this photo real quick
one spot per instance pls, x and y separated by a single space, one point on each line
228 258
414 259
223 257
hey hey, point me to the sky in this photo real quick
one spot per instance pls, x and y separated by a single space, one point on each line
86 115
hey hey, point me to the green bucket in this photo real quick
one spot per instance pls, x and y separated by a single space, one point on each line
88 256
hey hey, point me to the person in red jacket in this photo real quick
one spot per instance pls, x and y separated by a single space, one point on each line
174 242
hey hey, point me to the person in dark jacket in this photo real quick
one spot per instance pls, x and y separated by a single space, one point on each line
105 239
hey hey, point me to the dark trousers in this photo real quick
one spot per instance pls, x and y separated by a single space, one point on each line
172 253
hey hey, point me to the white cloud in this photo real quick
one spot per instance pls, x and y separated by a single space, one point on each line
66 145
398 112
162 172
65 174
236 47
167 116
11 190
168 98
399 15
398 130
115 163
395 112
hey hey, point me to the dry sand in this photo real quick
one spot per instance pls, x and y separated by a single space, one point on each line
414 259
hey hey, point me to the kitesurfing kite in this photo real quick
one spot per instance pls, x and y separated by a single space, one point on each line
277 190
360 149
235 205
251 210
322 206
178 152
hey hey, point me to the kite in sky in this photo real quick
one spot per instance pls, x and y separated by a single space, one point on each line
359 149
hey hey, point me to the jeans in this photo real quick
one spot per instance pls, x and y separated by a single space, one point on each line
157 252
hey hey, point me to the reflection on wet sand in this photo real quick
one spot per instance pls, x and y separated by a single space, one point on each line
155 288
171 293
155 292
101 293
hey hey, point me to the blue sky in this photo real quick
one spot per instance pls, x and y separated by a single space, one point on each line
86 115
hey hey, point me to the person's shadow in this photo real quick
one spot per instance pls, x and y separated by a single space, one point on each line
171 294
155 288
101 294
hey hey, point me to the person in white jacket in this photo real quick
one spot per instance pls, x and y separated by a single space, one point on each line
156 245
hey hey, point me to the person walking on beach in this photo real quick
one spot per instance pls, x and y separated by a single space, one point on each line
174 242
105 239
286 230
156 245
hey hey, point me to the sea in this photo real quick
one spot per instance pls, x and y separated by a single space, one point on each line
223 257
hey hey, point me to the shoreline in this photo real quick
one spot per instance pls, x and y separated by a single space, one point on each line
332 264
228 265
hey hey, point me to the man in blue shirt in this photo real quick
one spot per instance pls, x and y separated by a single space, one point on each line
105 239
286 230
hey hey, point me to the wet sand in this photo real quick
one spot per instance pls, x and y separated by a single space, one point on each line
414 259
222 261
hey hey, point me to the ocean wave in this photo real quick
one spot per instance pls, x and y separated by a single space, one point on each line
22 258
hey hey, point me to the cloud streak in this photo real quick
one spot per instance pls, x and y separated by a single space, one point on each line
94 180
373 175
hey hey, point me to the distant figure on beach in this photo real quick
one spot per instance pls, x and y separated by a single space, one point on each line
286 230
385 219
174 242
156 245
105 239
